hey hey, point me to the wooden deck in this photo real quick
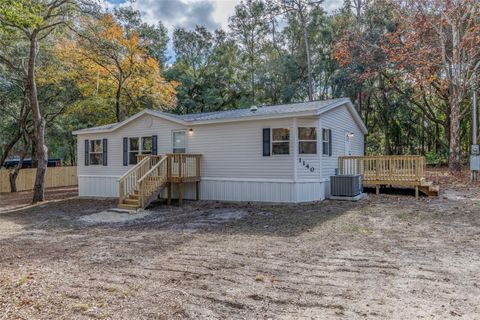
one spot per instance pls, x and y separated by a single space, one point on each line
389 170
143 183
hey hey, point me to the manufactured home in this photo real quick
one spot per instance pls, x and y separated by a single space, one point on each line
282 153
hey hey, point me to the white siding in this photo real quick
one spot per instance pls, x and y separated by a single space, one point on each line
340 121
137 128
234 150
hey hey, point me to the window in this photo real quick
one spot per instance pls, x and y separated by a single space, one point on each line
138 146
95 152
179 142
326 142
281 141
307 140
147 145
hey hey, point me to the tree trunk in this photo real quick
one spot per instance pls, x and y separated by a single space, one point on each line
454 151
13 175
307 51
117 101
39 123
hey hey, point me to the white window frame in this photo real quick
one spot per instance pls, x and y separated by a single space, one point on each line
173 140
281 141
90 152
303 140
327 141
140 147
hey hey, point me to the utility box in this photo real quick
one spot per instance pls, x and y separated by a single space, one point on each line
475 162
346 185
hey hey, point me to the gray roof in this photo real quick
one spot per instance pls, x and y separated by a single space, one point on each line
103 127
315 107
262 111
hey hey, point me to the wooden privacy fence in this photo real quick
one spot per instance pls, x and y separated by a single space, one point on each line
55 177
385 170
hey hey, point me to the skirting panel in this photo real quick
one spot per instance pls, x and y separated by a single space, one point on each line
310 191
220 190
98 186
262 191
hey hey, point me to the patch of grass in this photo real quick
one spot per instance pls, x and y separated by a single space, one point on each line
354 229
81 307
404 215
117 291
24 279
260 278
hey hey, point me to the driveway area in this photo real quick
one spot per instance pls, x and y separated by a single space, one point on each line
386 257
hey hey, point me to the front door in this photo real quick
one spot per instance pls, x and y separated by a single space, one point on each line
179 143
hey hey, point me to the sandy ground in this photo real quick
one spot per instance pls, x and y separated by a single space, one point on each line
387 257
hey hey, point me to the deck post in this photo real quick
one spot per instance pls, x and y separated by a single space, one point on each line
180 194
169 193
197 190
416 192
377 189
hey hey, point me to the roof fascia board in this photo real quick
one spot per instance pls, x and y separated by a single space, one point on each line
130 119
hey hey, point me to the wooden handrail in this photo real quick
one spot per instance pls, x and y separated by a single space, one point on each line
147 178
382 169
132 169
152 180
184 165
128 181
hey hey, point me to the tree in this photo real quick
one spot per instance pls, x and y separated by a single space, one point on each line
110 62
249 27
32 21
207 66
302 8
436 45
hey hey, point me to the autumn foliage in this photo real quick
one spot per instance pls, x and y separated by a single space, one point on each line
111 64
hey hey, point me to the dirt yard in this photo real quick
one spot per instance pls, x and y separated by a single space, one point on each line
387 257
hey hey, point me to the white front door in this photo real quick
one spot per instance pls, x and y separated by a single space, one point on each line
179 143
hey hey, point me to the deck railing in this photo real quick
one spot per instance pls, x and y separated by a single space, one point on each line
384 169
148 177
184 166
128 182
152 181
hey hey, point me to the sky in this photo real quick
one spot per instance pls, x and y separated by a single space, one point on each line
212 14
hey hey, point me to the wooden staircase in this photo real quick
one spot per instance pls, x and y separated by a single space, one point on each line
143 183
427 188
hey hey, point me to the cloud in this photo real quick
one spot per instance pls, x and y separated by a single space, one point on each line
175 13
212 14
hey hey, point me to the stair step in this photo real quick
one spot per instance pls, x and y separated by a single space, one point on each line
127 206
425 183
133 196
131 201
429 190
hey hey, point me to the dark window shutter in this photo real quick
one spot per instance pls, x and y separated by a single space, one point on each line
329 142
125 151
154 145
105 151
87 154
266 142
